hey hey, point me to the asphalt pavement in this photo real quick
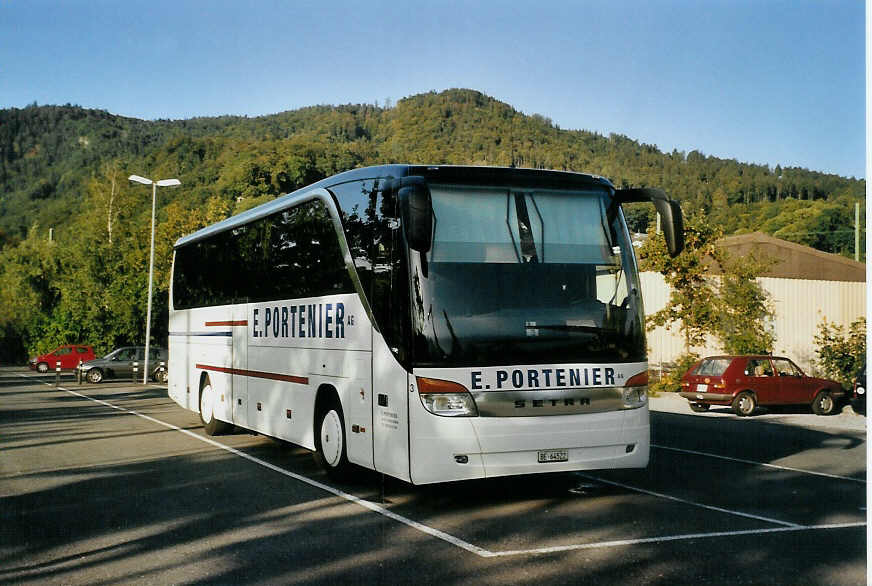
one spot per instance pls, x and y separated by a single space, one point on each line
114 483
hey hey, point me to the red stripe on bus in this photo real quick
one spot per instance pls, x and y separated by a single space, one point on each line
302 380
241 322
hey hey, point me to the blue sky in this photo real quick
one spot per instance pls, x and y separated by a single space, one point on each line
759 81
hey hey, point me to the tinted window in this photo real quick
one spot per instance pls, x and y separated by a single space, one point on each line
125 354
369 217
713 366
290 254
541 276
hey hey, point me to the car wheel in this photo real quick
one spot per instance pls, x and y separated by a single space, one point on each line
744 404
211 425
42 367
699 407
95 375
823 404
161 376
330 444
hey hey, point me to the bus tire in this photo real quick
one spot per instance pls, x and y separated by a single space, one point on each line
330 441
211 425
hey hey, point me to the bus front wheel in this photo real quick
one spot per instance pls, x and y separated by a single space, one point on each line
211 425
330 449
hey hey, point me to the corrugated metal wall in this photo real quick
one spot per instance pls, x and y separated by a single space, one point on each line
800 306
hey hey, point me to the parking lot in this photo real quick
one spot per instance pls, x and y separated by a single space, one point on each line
115 483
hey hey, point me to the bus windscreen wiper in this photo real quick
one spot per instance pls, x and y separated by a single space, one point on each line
569 327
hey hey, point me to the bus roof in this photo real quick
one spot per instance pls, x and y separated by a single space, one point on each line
433 173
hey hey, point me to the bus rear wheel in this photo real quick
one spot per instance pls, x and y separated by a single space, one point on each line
211 425
330 448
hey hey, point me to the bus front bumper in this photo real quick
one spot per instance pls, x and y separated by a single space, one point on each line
532 445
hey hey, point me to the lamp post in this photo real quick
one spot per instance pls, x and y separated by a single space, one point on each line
154 185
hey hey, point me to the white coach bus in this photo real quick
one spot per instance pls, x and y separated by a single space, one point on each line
431 323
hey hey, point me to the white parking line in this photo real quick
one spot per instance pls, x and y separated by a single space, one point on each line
687 502
667 538
335 491
743 461
456 541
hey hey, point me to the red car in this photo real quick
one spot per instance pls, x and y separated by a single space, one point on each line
744 382
69 355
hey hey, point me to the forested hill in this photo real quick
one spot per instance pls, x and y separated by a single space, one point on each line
54 160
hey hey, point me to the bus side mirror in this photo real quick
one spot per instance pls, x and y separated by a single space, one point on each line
672 223
671 218
416 209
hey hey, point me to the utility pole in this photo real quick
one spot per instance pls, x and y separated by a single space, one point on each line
857 231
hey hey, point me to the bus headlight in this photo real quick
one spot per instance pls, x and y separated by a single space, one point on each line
634 397
446 398
635 392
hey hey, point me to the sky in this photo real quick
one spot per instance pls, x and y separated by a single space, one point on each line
759 81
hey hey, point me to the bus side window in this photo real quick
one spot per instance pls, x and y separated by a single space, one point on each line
370 220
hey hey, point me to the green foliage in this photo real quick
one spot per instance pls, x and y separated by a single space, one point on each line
28 291
744 309
692 292
65 167
733 307
841 354
670 381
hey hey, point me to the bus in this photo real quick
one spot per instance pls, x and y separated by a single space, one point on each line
432 323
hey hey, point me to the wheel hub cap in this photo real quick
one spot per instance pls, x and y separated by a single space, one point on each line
331 438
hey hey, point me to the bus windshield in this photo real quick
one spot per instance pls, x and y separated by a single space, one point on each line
525 276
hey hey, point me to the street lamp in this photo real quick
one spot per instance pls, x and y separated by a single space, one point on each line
154 185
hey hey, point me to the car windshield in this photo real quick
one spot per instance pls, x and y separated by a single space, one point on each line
713 366
526 275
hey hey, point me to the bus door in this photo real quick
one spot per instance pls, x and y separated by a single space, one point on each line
390 412
239 359
358 409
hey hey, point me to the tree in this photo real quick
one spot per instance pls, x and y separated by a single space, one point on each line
28 291
732 307
692 292
744 309
841 354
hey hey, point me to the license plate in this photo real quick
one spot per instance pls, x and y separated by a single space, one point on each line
553 456
701 388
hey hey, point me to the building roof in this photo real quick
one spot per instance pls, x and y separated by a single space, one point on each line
793 261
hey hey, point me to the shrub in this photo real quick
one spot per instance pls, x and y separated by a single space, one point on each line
670 381
840 354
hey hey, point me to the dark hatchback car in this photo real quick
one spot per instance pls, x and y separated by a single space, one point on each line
120 363
744 382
